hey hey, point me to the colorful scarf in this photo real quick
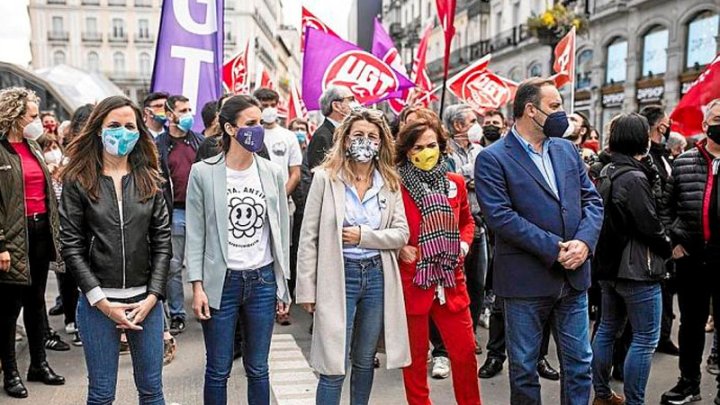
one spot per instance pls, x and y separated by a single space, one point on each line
439 239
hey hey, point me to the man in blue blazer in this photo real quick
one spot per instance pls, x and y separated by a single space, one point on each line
546 215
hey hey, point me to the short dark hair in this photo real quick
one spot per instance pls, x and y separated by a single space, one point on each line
529 92
158 95
499 113
585 124
410 133
653 114
78 121
266 94
629 134
299 121
208 113
172 100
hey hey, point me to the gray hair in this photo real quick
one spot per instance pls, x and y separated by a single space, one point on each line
676 139
710 106
454 113
331 94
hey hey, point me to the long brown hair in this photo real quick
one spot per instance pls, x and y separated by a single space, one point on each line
85 153
336 160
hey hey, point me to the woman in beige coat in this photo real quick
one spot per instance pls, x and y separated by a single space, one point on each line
347 265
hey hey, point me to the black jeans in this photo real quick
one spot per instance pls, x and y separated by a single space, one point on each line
698 281
31 298
496 336
475 267
668 291
70 294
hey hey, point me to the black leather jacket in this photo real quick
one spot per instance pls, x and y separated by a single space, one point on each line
101 251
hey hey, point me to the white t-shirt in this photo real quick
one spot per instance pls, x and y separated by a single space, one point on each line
283 148
248 228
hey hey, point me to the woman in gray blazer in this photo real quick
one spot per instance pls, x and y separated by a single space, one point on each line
347 273
237 250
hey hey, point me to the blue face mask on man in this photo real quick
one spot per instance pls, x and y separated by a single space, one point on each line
186 121
556 124
119 141
301 136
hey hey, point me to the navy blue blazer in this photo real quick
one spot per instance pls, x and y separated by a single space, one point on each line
528 219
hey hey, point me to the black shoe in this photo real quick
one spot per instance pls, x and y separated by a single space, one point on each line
376 362
13 385
53 342
491 368
684 392
177 326
56 310
45 375
546 371
76 340
668 347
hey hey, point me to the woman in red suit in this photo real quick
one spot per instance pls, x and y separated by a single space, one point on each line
441 230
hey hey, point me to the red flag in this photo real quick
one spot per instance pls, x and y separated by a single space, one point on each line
309 20
480 88
564 66
263 79
423 84
446 14
296 106
687 117
236 76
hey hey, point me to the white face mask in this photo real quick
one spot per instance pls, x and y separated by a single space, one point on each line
354 105
33 130
269 115
475 133
53 157
570 131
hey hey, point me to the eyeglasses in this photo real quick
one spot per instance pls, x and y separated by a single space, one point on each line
349 99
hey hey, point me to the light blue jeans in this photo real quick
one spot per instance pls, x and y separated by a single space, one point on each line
364 292
175 295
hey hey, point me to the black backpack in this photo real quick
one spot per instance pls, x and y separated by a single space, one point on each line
613 238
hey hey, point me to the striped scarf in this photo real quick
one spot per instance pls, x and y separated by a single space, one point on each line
439 240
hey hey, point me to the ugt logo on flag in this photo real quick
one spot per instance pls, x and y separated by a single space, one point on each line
190 51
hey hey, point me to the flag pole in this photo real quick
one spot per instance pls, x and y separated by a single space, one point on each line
573 77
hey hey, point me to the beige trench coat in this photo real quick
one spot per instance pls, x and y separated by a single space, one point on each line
321 276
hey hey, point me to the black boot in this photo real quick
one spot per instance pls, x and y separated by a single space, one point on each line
13 385
44 374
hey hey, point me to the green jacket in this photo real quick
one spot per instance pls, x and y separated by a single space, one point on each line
13 225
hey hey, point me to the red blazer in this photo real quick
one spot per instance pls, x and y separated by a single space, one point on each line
417 300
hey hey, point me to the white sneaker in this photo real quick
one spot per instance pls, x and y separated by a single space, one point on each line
485 319
440 368
70 328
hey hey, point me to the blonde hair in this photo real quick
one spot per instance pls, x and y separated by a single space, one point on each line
13 105
336 160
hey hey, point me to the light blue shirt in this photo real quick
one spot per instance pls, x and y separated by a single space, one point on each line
362 212
542 161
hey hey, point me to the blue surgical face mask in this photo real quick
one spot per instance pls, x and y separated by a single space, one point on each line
251 138
119 141
301 136
556 125
185 122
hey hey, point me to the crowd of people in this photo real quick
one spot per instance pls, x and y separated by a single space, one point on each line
399 236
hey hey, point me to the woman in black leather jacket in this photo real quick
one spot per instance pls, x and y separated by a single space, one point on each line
629 260
115 236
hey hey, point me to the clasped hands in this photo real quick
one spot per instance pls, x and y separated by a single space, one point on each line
573 254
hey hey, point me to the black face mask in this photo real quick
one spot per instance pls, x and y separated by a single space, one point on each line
713 132
666 135
491 132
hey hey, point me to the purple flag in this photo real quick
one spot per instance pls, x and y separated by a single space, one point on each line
384 48
330 61
189 54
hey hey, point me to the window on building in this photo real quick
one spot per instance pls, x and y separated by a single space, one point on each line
584 69
144 62
143 28
701 43
516 75
119 63
93 62
57 24
616 66
429 10
228 30
58 58
537 7
535 70
118 27
91 25
655 44
516 14
498 22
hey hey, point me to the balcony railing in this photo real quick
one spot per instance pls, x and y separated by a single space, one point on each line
56 1
478 7
506 39
90 2
117 3
118 38
143 3
58 36
144 38
92 37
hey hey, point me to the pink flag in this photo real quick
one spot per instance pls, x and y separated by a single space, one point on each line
384 48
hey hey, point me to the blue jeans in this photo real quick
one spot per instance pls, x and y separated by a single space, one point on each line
525 319
101 343
641 304
175 295
364 292
250 295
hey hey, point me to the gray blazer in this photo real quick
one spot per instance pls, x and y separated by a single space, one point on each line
206 225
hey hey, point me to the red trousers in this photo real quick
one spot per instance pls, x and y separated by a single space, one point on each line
457 334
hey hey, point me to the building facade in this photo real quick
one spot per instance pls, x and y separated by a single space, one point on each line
117 37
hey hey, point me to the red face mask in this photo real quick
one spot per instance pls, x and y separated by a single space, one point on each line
50 127
594 145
